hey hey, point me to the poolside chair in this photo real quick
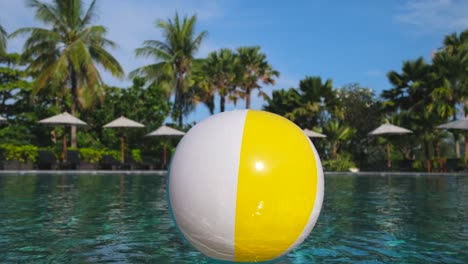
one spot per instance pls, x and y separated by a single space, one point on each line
453 165
405 165
108 162
72 161
46 160
130 163
2 160
147 163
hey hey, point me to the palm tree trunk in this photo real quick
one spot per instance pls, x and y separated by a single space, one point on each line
74 104
222 103
427 155
178 99
456 138
247 98
436 146
334 150
389 158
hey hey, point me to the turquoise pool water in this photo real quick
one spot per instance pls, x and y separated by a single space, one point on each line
125 219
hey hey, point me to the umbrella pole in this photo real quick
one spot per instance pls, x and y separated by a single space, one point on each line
389 161
64 146
164 156
122 148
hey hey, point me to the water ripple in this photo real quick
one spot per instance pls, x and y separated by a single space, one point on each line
125 219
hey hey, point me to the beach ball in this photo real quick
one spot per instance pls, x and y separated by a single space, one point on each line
245 186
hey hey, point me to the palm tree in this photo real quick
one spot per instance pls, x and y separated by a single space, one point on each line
221 71
451 64
412 98
255 68
3 40
283 102
453 42
67 54
336 133
174 58
317 97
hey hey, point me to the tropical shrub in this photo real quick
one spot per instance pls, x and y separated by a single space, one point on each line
342 162
90 155
22 153
136 154
113 153
418 165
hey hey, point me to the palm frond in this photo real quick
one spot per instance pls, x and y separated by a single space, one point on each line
3 40
106 60
89 15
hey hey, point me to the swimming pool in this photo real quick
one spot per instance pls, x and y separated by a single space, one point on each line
124 219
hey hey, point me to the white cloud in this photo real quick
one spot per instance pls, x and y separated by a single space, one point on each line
429 16
377 73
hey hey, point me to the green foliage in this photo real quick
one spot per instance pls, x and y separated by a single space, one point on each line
90 155
145 104
22 153
283 102
136 154
343 162
306 105
418 165
337 134
113 153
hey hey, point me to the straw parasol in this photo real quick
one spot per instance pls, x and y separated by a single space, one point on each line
123 122
389 129
461 124
165 131
313 134
63 119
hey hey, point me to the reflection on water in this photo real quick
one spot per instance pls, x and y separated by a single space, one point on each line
125 219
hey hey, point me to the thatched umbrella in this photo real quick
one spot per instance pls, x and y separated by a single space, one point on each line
63 119
123 122
165 131
389 129
461 124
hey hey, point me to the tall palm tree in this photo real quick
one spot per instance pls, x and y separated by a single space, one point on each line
221 71
255 68
66 55
451 65
411 98
3 40
174 58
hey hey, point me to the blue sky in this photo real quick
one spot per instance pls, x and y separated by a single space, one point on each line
347 41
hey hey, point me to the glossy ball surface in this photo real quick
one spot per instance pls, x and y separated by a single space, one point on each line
245 186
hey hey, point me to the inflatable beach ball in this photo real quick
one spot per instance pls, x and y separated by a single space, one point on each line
245 186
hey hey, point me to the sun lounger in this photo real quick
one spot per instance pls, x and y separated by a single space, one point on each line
73 160
108 162
46 160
